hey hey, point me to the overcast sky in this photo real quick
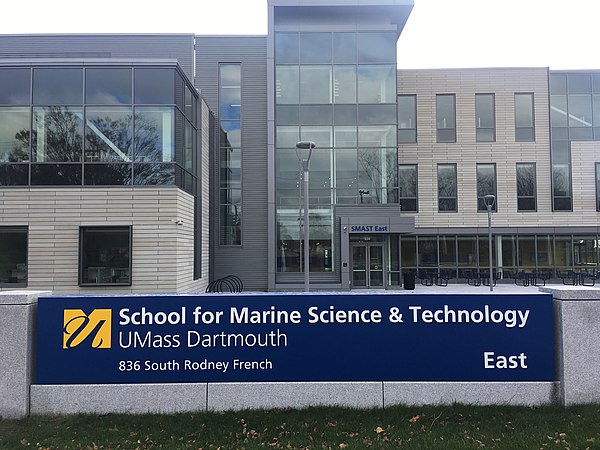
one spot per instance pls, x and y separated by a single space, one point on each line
561 34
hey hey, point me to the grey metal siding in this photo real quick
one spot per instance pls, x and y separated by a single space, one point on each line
85 46
248 261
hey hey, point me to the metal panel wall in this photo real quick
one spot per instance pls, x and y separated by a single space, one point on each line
86 46
248 261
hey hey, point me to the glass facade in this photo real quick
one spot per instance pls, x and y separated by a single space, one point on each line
96 126
339 91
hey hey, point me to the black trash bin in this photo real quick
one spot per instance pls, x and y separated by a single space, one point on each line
409 281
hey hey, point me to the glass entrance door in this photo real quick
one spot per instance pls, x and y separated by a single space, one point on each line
367 266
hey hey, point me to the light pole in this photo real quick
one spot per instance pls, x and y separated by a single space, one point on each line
306 145
489 201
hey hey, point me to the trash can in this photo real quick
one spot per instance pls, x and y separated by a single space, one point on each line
409 281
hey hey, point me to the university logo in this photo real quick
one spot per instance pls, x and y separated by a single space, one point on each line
94 329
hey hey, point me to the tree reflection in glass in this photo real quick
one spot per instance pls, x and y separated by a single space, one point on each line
57 134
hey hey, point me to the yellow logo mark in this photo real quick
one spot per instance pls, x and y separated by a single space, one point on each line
79 326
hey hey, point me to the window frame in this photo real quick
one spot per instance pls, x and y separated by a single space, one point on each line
416 187
480 200
413 118
532 112
534 196
481 132
453 165
8 284
439 129
81 267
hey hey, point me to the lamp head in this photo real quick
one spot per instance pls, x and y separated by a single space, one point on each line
309 145
489 200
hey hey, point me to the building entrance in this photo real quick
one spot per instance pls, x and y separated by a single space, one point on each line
367 265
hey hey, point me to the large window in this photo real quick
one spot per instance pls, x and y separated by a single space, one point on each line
230 162
407 187
526 187
105 256
76 127
597 186
447 188
407 119
13 256
446 117
486 185
524 117
485 117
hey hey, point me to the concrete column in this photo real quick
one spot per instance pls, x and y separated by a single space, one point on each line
577 343
17 324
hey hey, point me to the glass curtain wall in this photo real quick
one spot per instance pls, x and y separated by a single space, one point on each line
338 90
96 126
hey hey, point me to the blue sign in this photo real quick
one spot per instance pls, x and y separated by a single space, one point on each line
292 337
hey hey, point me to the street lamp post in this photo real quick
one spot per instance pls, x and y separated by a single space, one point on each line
306 145
489 201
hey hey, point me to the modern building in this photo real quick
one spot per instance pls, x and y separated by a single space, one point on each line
147 163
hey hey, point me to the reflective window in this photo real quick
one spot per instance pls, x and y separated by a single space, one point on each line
286 48
407 187
230 93
486 185
316 114
376 84
13 256
57 134
14 134
53 86
108 134
558 110
446 117
15 86
287 85
376 47
155 86
287 137
526 187
315 48
288 114
344 48
580 110
447 188
407 119
105 256
579 83
376 114
345 114
154 174
377 136
345 137
322 136
315 84
154 134
344 84
231 134
56 174
346 176
14 174
597 186
107 174
485 117
108 86
524 118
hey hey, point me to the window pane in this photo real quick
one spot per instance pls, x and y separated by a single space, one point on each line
316 114
56 174
558 110
315 84
376 114
376 47
14 86
344 84
13 255
446 118
579 83
523 110
377 136
154 174
344 47
286 48
107 174
321 136
287 85
105 254
376 84
14 134
14 174
154 134
155 86
597 186
447 187
580 111
287 137
407 187
57 134
57 86
315 48
485 117
407 112
230 91
345 114
345 137
108 86
108 134
526 187
486 185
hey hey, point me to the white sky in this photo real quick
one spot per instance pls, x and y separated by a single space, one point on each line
561 34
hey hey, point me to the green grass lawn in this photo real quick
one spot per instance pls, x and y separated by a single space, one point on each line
449 427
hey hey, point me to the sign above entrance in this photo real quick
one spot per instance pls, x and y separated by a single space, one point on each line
369 229
294 337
